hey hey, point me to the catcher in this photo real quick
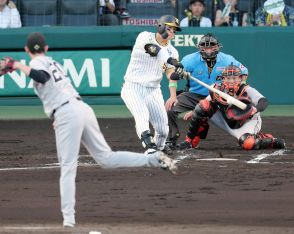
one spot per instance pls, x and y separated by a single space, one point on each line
245 125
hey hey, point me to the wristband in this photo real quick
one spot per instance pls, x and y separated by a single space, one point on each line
173 84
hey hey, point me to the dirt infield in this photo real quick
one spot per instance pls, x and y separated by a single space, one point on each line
252 193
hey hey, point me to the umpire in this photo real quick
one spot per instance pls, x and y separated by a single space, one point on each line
206 64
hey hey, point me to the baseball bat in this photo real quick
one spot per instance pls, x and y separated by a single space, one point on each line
230 100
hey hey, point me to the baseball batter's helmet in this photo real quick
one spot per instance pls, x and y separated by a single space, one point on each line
231 79
167 20
211 42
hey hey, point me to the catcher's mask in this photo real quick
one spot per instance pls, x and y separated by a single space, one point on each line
167 22
209 47
231 79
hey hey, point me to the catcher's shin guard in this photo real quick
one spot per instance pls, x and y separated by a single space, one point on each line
147 140
194 142
198 124
260 141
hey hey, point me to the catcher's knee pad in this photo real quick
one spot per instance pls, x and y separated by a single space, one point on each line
247 141
147 140
205 105
204 108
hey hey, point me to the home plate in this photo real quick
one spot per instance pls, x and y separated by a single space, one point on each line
217 159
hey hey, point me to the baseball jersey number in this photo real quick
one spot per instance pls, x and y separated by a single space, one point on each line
57 72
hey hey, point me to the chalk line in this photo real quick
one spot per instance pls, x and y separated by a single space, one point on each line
260 157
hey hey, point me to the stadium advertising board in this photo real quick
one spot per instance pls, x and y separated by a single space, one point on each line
91 72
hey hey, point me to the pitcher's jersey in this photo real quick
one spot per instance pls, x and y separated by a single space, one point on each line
58 89
145 69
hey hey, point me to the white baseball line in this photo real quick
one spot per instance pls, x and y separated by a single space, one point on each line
260 157
257 159
47 166
41 228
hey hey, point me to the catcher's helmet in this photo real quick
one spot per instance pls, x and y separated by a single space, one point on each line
231 79
167 20
211 42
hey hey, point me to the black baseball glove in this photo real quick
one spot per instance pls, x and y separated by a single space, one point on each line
6 65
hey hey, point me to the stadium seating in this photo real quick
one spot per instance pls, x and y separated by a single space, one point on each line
184 4
289 3
38 13
143 12
147 13
78 12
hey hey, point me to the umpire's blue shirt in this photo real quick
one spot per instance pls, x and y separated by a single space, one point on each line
196 65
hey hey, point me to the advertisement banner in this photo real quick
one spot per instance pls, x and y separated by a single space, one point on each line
92 72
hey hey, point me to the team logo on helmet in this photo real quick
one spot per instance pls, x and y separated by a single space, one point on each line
169 20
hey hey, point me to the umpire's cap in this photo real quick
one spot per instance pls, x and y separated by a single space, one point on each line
36 43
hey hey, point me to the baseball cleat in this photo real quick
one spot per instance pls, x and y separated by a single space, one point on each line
150 151
278 143
68 225
167 163
189 143
185 145
167 150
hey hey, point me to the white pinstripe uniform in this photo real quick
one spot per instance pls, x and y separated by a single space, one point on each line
141 91
75 121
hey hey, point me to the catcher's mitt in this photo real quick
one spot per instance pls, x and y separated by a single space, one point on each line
235 113
6 65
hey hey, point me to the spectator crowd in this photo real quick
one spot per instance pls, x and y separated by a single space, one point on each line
192 13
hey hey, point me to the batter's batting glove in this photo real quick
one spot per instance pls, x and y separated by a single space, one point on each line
175 76
179 68
6 65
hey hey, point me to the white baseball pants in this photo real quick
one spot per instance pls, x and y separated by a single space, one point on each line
76 122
